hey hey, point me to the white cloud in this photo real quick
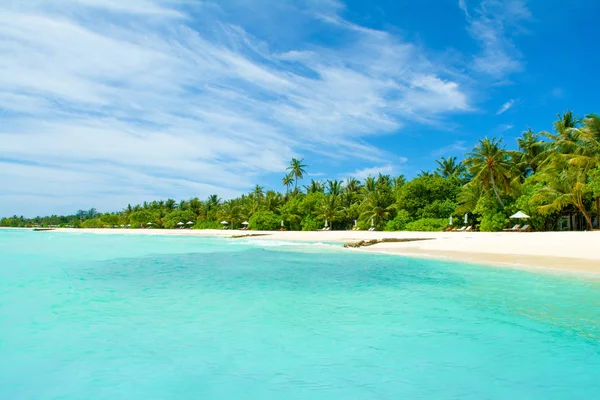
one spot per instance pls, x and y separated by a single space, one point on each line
462 4
494 24
388 169
457 147
505 107
142 100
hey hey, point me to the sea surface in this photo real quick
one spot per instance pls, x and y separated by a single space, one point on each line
86 316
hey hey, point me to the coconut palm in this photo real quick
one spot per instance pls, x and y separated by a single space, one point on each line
531 150
334 187
352 186
490 165
448 167
369 186
378 208
314 187
329 209
287 181
258 192
296 169
565 185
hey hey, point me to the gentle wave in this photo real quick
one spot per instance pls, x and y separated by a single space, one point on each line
279 243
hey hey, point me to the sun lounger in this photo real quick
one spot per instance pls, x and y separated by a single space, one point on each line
461 229
525 228
371 229
513 229
470 228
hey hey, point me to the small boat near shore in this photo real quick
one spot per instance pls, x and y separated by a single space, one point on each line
43 229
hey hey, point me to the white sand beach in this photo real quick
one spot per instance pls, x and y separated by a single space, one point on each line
563 251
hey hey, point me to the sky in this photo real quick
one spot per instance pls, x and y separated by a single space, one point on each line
110 102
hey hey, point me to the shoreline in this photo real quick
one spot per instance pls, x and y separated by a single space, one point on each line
571 252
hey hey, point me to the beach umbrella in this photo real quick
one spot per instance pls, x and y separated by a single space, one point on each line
224 222
180 223
149 223
326 224
190 223
520 215
372 224
129 225
355 222
282 224
450 221
245 223
466 219
122 226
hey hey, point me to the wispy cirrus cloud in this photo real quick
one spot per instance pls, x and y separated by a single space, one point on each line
462 4
505 107
493 24
147 99
457 147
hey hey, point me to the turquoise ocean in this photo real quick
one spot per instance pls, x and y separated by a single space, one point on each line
87 316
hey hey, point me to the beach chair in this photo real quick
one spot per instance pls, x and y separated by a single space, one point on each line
461 229
470 228
525 228
513 229
371 229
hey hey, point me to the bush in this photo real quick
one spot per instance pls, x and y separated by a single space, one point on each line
310 223
399 222
427 225
171 220
207 225
265 221
493 222
92 223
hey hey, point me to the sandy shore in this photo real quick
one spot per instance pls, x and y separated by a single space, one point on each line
562 251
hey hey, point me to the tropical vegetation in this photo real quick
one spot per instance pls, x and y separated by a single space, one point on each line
549 175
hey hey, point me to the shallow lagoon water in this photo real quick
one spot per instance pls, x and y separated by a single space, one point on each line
154 317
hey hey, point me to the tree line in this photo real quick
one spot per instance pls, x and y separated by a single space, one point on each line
549 175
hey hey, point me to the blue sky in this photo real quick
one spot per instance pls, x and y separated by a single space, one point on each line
106 102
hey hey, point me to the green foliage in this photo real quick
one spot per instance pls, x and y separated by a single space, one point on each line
312 223
439 209
427 225
141 218
92 223
207 225
493 222
265 221
417 196
399 222
171 220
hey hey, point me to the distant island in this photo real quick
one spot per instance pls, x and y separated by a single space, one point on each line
553 178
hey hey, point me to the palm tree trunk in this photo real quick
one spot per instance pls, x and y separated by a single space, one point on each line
588 219
496 190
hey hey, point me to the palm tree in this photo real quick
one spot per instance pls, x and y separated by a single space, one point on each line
213 202
258 191
378 208
296 169
369 186
287 181
329 209
352 186
448 167
532 150
314 187
230 212
565 185
490 165
334 187
170 204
